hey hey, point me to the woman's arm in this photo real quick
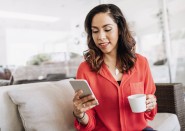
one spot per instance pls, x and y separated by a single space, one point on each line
83 107
150 88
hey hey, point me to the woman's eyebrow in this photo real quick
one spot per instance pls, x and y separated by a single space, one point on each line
94 27
102 26
107 25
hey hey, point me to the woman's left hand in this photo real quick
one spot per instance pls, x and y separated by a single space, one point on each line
151 102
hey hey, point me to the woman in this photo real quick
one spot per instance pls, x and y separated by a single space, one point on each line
114 71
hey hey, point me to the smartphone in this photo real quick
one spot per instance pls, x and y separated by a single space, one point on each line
80 84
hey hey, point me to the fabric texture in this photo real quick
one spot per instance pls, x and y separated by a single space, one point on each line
9 116
148 129
4 82
45 106
165 122
113 112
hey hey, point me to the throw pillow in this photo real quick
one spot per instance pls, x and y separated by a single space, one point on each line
45 106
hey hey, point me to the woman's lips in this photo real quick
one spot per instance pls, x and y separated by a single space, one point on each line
104 45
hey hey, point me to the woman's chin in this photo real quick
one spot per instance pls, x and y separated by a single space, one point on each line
105 51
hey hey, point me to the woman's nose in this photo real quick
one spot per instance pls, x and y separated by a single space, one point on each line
101 35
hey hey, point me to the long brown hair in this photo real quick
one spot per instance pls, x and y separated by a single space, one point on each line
125 53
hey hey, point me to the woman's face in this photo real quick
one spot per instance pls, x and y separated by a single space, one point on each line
105 33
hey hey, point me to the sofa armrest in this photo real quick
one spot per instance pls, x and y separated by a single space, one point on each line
165 122
9 116
170 99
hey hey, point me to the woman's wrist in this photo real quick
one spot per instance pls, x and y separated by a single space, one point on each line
79 117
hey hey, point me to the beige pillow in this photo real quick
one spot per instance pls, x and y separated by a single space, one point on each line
45 106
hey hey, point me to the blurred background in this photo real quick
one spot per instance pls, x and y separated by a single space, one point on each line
40 38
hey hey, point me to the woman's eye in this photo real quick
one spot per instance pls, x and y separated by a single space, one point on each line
94 31
107 30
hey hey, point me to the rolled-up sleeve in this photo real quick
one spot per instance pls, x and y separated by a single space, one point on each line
150 88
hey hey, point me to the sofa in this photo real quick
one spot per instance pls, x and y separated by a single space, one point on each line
171 99
47 106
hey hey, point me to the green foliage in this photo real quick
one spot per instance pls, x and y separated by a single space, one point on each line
39 59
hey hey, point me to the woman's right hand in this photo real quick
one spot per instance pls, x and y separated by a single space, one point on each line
81 105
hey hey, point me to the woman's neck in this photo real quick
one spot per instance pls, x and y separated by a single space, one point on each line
110 59
111 63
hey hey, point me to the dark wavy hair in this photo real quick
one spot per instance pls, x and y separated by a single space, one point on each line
126 44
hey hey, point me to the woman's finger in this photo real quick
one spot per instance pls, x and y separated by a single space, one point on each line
150 102
89 105
77 95
87 98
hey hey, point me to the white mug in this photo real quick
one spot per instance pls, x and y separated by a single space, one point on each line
137 102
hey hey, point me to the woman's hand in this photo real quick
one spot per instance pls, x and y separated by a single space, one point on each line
151 102
81 105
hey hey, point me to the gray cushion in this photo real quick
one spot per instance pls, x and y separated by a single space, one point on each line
45 106
4 82
165 122
9 116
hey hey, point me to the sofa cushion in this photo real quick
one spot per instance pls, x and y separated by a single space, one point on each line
4 82
45 106
165 122
9 116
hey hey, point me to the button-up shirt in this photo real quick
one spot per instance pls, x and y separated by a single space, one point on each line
114 112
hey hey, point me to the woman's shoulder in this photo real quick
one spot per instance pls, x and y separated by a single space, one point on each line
84 66
84 71
140 57
141 60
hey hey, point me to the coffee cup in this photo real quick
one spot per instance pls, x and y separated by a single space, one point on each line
137 102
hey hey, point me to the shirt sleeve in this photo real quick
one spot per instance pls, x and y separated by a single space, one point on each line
91 113
90 125
150 89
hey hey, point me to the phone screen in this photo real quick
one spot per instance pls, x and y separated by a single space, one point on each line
81 85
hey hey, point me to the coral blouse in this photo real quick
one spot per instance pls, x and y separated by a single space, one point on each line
113 112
